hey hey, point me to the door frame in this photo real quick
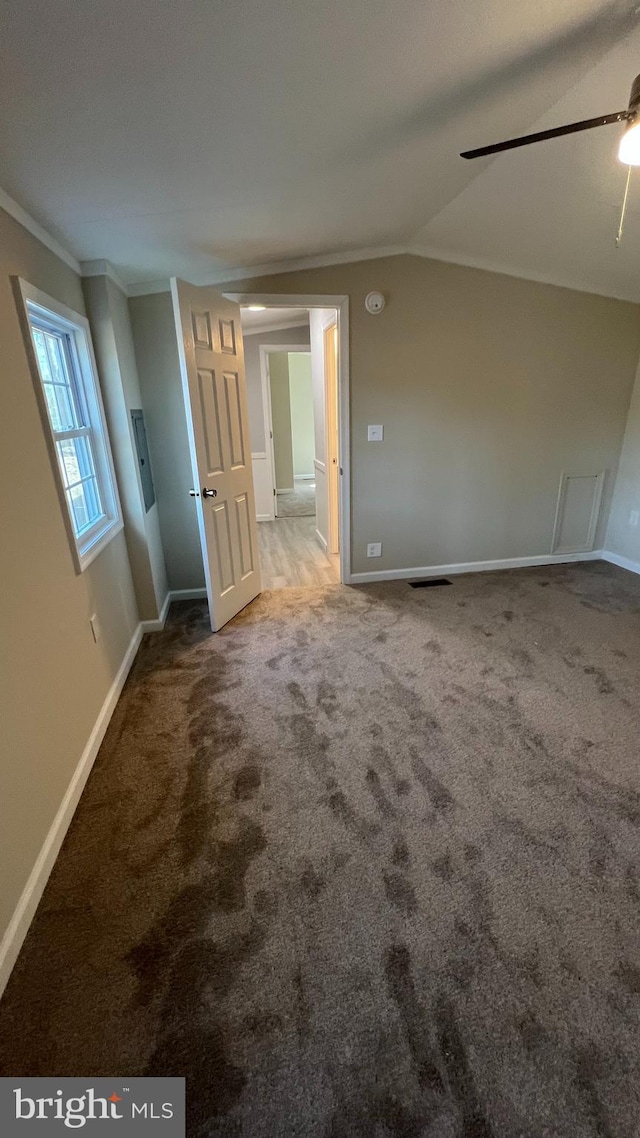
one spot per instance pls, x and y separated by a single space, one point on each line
331 435
341 304
265 384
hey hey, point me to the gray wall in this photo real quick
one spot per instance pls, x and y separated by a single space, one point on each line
623 537
111 331
298 336
56 678
156 350
489 388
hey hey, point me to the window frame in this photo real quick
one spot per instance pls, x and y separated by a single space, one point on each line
49 314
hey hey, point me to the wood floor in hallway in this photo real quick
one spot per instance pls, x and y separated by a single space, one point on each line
291 555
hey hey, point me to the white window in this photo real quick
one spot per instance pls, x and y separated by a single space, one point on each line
65 376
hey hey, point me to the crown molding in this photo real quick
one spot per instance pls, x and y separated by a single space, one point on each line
103 268
223 276
10 206
489 266
147 288
274 268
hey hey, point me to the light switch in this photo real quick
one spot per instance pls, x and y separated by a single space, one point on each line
374 549
375 433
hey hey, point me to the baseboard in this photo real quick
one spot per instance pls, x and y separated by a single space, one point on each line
188 594
622 562
25 909
264 517
286 490
323 541
472 567
158 624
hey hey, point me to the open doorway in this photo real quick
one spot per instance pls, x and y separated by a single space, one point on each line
289 421
292 368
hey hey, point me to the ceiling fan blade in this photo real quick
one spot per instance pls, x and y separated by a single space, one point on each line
539 136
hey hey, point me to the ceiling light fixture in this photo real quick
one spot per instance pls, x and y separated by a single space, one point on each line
257 307
629 149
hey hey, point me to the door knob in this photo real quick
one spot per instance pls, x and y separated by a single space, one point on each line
209 493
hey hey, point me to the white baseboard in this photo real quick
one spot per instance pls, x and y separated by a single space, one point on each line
158 624
622 562
25 909
472 567
172 595
323 541
264 517
187 595
286 490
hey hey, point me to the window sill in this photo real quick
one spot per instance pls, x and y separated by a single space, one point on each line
84 558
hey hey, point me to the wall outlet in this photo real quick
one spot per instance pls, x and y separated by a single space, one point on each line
375 433
96 627
634 517
374 549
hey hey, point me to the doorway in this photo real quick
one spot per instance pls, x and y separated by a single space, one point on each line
298 414
289 421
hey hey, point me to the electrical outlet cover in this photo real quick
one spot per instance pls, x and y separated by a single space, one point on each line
374 549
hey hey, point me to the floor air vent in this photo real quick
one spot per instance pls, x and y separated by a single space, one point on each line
429 582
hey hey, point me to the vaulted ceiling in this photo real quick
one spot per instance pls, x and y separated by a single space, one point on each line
201 136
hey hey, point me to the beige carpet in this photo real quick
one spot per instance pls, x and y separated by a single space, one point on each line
366 863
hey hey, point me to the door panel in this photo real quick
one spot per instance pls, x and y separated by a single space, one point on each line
213 380
247 559
234 418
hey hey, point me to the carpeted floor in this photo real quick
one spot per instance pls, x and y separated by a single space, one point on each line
299 502
366 863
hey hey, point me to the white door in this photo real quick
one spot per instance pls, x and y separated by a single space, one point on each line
214 386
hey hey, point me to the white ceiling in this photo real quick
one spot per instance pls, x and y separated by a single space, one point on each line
552 210
282 317
201 136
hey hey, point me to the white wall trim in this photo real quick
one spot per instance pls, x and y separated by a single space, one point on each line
319 465
323 541
158 624
621 562
264 517
274 268
25 909
103 268
19 214
472 567
173 595
188 594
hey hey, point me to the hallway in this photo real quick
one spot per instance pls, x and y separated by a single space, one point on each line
290 555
